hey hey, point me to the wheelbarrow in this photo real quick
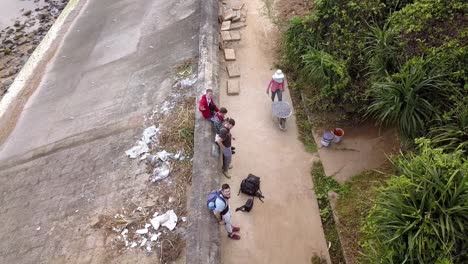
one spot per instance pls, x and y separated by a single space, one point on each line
281 110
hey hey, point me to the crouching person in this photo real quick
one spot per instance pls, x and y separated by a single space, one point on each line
222 212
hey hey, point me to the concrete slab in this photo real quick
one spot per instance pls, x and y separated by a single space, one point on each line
226 25
229 54
235 35
64 161
233 87
228 14
225 36
233 70
237 16
237 25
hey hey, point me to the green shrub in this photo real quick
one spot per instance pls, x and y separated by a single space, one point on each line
407 99
298 39
325 72
452 133
422 215
381 51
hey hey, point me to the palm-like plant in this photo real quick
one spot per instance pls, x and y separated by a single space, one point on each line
409 99
381 51
422 215
453 135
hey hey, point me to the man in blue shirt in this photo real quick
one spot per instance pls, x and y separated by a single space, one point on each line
222 213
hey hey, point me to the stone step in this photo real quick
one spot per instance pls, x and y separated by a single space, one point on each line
233 70
229 55
226 25
236 25
233 87
226 36
229 14
235 35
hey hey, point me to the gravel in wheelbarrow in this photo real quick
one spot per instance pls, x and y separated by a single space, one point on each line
281 109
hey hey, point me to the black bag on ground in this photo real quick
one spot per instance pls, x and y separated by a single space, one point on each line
251 186
247 206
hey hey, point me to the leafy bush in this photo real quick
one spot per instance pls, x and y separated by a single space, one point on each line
381 51
422 215
407 98
325 72
452 134
298 39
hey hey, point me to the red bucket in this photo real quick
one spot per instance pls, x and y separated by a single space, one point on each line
338 133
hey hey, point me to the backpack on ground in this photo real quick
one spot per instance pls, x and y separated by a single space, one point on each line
251 186
211 201
247 206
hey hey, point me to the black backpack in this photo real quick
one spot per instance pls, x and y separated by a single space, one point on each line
251 186
247 206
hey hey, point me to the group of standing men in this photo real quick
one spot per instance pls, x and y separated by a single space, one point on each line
222 127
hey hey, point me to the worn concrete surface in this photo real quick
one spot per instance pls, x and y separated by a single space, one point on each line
64 162
203 244
362 148
286 228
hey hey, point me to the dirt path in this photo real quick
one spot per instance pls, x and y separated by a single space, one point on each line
287 227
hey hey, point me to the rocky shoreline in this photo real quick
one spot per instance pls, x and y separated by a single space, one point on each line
20 39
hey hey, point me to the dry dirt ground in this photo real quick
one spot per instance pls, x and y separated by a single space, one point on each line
289 220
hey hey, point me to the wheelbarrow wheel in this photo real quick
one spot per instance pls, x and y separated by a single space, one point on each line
282 123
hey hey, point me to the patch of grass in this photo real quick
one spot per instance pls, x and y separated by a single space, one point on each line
178 128
185 69
353 206
322 185
304 127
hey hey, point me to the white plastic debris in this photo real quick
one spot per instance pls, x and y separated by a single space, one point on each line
164 155
147 225
148 248
155 237
39 228
142 231
137 150
143 242
149 133
125 232
184 219
161 172
141 146
169 220
134 244
188 82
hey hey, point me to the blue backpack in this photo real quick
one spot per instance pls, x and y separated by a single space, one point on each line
211 201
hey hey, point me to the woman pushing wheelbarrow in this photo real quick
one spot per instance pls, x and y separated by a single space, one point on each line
280 109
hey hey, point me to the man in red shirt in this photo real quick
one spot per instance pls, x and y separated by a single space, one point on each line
218 119
207 105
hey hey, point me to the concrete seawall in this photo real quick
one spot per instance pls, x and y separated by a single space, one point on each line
203 239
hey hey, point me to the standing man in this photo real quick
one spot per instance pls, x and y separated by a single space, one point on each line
276 85
207 105
222 213
224 142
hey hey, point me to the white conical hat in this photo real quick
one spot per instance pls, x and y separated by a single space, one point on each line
278 76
